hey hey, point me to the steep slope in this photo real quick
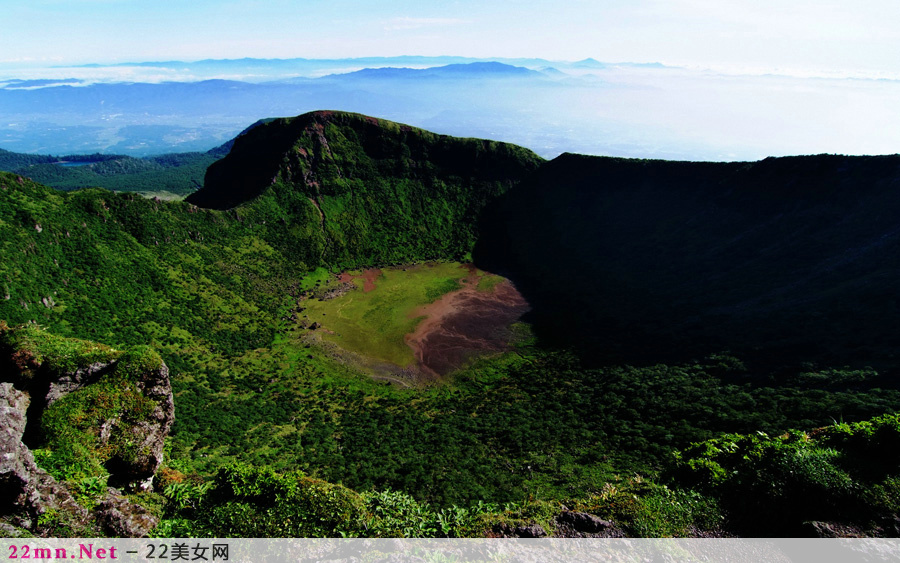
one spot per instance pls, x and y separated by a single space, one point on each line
349 189
784 259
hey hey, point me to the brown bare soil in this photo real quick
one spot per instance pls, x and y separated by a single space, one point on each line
368 277
464 324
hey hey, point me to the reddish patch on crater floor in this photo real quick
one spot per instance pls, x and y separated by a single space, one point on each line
464 324
368 277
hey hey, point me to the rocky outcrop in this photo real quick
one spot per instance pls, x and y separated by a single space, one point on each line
31 498
817 529
148 435
572 524
127 401
119 517
505 530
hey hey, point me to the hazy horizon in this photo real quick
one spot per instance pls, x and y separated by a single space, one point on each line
682 79
822 36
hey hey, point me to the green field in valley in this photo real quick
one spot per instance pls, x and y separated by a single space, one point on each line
373 323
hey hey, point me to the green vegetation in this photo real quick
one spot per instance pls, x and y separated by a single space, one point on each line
360 191
531 425
71 426
31 347
276 436
373 324
244 501
85 430
487 282
251 502
168 176
845 472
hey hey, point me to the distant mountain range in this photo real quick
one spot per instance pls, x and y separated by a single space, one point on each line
139 119
263 69
644 110
455 71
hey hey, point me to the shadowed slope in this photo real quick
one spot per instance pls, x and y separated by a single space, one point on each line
789 258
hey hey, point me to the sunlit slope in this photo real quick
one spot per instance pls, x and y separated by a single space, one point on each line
352 190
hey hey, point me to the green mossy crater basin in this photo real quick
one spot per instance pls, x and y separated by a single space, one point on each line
417 322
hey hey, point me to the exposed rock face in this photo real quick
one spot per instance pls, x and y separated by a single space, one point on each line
65 383
816 529
29 492
572 524
148 435
13 406
505 530
584 522
120 518
131 433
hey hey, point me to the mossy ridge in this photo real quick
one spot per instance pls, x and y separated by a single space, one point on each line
32 347
72 448
362 191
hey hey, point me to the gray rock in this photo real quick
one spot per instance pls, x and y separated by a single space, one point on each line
72 381
148 435
10 531
121 518
27 487
530 531
521 531
816 529
584 522
15 460
572 524
33 500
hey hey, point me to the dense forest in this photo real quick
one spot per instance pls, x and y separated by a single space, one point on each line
177 174
627 395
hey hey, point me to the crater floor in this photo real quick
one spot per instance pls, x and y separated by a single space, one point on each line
417 322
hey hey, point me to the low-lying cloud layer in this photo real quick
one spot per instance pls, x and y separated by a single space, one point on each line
619 109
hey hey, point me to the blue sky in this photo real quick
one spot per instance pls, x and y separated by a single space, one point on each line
802 35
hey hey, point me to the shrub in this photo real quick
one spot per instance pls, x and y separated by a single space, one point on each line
247 501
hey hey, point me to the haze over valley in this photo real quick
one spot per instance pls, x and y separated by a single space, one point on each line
587 107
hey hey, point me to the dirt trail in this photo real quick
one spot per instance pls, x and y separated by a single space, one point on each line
463 324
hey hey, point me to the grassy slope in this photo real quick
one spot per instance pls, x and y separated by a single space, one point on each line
363 191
